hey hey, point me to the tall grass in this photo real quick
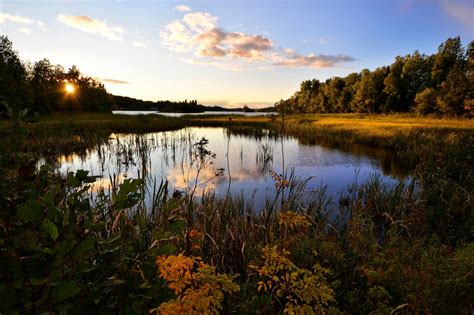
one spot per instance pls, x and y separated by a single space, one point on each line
400 248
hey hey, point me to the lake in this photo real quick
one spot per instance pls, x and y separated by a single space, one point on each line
241 163
143 112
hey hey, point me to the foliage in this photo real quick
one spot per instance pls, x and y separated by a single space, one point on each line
426 101
300 291
199 289
409 81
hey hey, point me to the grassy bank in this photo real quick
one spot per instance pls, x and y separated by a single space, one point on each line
405 248
75 132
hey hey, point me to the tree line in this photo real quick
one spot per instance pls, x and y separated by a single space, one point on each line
442 84
40 86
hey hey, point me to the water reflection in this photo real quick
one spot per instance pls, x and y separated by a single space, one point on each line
240 157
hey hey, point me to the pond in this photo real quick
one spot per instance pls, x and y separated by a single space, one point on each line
239 162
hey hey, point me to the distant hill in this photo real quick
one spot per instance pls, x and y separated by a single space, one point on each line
192 106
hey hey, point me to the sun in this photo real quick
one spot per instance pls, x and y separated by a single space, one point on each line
69 88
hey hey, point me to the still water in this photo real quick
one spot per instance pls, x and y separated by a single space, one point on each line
239 162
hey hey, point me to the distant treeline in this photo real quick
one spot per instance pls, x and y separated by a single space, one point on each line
442 83
128 103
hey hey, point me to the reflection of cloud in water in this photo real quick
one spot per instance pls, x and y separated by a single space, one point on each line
184 178
70 158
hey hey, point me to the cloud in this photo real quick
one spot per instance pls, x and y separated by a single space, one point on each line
290 58
4 17
114 81
182 8
198 33
24 30
93 26
139 44
462 12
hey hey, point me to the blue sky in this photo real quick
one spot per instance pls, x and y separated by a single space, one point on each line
228 52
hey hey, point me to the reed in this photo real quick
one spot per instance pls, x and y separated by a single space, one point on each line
399 248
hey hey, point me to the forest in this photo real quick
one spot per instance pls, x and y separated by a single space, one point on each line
440 84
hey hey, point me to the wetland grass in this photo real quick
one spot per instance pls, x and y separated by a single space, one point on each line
400 248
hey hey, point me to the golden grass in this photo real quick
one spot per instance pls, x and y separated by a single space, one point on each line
383 125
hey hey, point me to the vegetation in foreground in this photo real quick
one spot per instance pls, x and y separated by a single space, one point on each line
404 249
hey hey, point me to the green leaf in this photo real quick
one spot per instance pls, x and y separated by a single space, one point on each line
86 245
31 211
48 199
81 175
51 228
167 249
64 290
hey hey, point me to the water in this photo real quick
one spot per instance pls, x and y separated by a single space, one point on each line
143 112
241 162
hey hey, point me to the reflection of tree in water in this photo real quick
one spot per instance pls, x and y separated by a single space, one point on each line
386 158
264 158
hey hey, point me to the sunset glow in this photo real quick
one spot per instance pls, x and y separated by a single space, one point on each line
69 88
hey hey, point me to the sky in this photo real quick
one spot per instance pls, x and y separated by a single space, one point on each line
227 52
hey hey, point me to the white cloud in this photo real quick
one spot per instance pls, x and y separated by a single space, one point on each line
13 18
139 44
114 81
290 58
24 30
198 33
93 26
4 17
182 8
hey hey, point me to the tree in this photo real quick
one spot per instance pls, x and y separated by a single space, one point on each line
395 87
453 93
45 82
416 75
409 83
450 54
369 95
14 88
426 101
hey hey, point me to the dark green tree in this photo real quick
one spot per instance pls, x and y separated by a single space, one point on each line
14 88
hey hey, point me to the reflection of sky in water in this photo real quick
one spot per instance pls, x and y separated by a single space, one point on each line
166 155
